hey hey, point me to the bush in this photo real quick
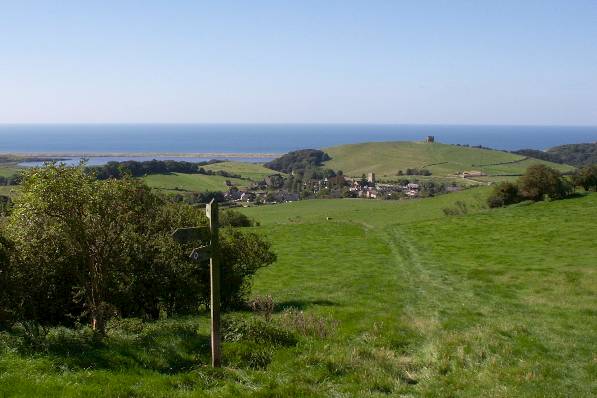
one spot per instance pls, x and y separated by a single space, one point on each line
256 330
308 324
263 305
503 194
81 249
233 218
459 209
586 177
539 181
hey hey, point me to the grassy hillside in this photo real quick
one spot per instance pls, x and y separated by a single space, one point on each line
495 303
386 158
190 182
199 182
364 212
253 171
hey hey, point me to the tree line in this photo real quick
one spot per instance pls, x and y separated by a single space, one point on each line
540 182
573 154
135 168
298 160
75 249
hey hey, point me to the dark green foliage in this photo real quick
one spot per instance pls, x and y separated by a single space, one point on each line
83 249
503 194
206 197
537 154
242 255
576 154
5 205
11 180
415 172
539 181
586 177
233 218
134 168
572 154
298 160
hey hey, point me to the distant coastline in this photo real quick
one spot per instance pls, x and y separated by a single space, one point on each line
264 141
215 155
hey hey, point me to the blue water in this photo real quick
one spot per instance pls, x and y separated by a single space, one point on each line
101 160
268 138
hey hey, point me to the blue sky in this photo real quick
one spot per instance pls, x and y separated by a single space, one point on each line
456 62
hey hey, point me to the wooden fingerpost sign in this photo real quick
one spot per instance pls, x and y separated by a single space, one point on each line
211 210
203 253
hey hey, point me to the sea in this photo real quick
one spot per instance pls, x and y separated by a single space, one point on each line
258 142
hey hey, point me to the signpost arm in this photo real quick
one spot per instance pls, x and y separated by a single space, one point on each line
211 211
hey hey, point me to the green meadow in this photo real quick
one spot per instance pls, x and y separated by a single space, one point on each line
190 182
200 182
382 298
386 158
252 171
8 169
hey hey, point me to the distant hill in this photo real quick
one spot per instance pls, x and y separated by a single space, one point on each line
572 154
298 160
387 158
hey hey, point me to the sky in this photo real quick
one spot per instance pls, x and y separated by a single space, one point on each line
323 61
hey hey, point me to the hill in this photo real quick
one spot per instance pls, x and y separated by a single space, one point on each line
573 154
386 158
390 298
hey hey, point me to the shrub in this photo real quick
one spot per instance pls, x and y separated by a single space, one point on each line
503 194
242 255
459 209
81 249
586 177
233 218
263 305
308 324
256 330
539 181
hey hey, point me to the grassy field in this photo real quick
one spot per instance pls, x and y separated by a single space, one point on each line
386 158
7 170
198 182
191 182
252 171
496 303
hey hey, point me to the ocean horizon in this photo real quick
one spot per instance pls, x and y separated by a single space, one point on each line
134 140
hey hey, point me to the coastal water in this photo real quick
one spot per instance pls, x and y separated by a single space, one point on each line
251 139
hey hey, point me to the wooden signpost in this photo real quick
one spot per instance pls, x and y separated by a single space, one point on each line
202 253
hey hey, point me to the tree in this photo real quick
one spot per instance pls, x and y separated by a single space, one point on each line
503 194
586 177
67 221
540 180
86 249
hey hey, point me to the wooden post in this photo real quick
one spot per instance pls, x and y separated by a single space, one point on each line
211 210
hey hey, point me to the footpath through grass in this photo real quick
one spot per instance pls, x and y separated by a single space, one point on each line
494 303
